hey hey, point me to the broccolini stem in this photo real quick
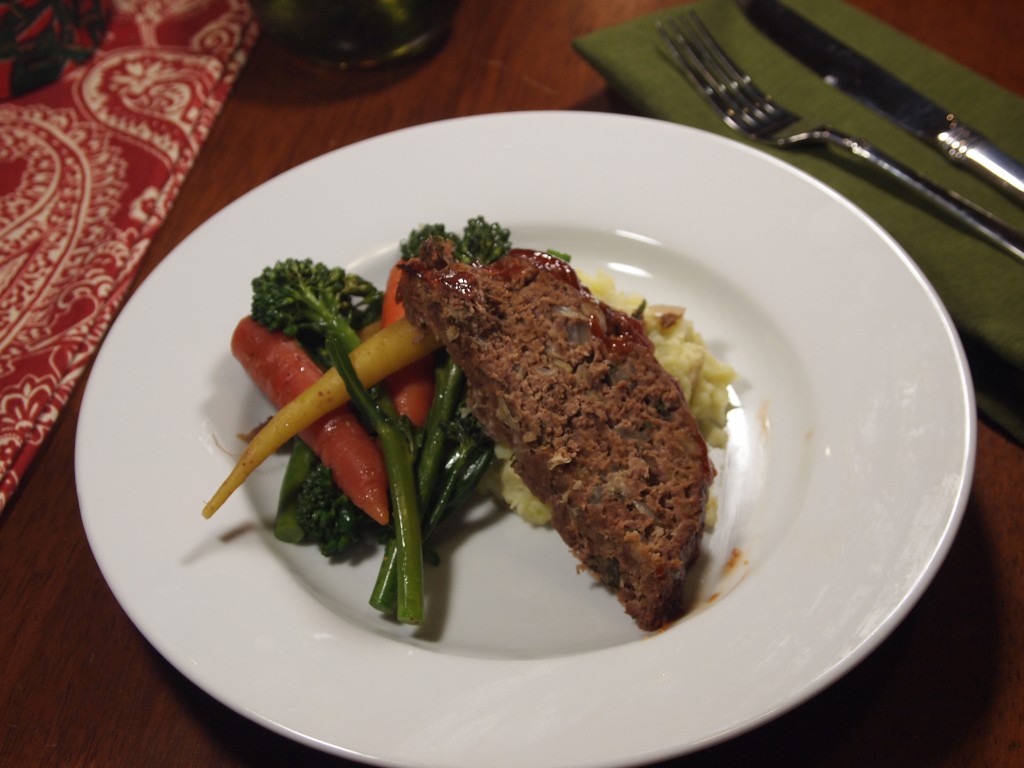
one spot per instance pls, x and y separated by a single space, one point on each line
385 590
405 513
462 475
446 400
398 460
286 527
345 333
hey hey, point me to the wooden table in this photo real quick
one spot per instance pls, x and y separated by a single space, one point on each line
80 686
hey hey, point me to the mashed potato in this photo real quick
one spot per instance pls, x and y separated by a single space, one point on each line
680 349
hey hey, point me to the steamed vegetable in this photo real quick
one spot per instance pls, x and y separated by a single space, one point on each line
322 307
378 357
281 369
309 301
326 516
286 521
412 388
433 450
397 445
312 509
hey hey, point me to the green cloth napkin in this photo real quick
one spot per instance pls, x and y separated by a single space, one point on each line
982 288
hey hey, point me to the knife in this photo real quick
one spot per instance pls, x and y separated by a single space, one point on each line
867 82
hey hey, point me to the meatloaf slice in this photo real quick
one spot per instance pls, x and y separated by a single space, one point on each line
599 430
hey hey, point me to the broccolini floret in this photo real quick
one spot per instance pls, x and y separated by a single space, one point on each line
411 245
326 515
307 300
481 241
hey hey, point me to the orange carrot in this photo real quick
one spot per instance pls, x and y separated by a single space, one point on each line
282 370
391 308
412 388
374 360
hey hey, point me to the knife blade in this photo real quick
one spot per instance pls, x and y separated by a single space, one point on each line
852 73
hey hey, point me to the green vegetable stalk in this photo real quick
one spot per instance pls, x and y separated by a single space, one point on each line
396 445
431 472
286 524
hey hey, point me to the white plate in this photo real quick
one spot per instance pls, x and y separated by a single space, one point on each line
845 480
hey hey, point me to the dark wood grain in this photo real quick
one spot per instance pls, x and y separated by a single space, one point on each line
79 686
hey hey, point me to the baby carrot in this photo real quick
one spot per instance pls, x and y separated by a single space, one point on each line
281 370
375 359
412 388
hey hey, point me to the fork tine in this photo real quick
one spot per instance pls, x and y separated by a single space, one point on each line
739 81
684 55
710 70
697 64
692 65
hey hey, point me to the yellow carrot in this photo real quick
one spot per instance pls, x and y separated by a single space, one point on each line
378 357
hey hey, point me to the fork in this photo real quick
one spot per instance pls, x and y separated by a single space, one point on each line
748 110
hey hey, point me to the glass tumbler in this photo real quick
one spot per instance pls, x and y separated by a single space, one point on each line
356 33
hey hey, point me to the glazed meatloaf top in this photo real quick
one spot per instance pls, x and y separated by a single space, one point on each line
599 430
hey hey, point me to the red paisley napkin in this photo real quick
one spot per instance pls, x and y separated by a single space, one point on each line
89 167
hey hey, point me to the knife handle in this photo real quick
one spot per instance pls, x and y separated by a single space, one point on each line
981 156
996 230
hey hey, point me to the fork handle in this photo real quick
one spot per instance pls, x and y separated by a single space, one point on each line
992 228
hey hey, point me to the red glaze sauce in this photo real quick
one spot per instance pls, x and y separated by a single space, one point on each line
616 329
619 331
